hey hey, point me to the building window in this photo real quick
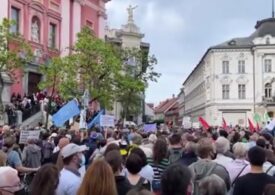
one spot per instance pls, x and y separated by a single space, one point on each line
268 89
52 35
225 92
90 24
268 65
225 67
241 67
242 91
15 17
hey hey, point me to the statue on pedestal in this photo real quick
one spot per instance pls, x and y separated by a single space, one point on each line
130 10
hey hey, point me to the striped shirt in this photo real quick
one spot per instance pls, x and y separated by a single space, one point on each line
158 168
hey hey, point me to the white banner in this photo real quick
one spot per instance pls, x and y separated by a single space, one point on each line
186 122
24 135
107 121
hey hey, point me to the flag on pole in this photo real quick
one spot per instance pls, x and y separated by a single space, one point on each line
224 125
251 126
96 119
266 117
257 118
68 111
203 123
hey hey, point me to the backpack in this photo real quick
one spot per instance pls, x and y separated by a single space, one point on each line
197 180
174 155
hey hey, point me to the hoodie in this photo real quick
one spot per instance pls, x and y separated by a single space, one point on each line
203 168
32 156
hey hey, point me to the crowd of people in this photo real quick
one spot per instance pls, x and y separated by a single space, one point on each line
132 162
29 105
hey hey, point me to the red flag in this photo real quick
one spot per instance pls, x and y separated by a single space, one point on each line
251 126
224 125
258 127
204 124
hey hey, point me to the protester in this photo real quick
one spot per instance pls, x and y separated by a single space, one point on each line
114 159
175 180
72 159
3 158
45 181
134 165
47 148
147 171
189 154
31 156
159 162
212 185
222 147
205 166
99 180
239 166
10 182
255 181
175 148
13 158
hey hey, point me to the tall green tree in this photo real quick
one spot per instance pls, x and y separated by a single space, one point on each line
93 65
11 58
138 68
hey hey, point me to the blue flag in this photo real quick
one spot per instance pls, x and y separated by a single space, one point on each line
96 119
68 111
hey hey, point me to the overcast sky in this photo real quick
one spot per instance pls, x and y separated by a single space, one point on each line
180 31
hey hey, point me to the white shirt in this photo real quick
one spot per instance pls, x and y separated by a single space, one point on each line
223 160
147 172
69 183
267 167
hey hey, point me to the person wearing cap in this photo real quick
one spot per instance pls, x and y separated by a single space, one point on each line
70 177
9 181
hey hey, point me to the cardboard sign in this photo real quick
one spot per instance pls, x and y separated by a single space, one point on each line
24 135
107 121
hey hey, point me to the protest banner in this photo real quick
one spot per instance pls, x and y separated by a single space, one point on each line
150 127
25 134
186 122
107 121
68 111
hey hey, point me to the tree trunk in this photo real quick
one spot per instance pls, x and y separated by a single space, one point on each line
1 101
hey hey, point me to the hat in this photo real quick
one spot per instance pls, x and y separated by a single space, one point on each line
71 149
9 179
69 136
152 138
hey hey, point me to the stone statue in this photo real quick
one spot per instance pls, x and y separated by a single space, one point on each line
35 31
130 10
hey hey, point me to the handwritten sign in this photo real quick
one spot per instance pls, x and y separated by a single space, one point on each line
107 121
24 135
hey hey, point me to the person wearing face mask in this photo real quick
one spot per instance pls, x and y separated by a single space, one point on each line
70 177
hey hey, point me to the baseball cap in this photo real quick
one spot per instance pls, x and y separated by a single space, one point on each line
71 149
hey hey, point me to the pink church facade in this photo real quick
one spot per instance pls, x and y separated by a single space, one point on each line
51 27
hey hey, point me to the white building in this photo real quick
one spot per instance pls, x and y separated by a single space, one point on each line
235 79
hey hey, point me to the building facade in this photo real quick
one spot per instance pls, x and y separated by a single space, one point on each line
235 79
50 27
129 36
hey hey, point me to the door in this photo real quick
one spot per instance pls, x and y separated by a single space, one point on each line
33 81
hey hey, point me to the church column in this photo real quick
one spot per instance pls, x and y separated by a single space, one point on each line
76 18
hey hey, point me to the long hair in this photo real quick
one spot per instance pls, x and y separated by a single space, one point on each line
99 180
45 181
159 150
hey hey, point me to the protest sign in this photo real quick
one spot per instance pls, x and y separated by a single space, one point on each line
25 134
107 121
186 122
150 127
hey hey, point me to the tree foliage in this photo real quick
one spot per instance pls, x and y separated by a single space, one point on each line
12 59
138 70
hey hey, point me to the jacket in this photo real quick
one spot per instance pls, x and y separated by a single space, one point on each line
32 156
203 168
